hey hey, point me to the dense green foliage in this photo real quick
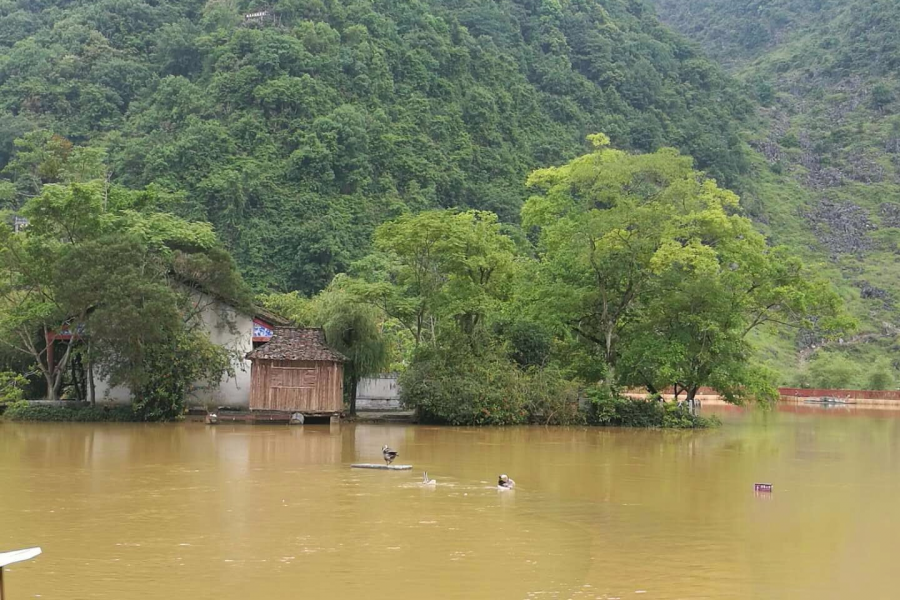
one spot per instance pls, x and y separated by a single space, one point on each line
826 179
23 411
170 371
130 281
296 136
12 387
657 275
617 411
472 382
850 33
644 275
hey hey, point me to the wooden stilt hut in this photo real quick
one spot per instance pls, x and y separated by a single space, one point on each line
297 372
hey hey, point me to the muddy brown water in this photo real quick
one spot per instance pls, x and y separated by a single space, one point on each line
126 512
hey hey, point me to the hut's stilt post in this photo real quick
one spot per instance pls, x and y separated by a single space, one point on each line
2 595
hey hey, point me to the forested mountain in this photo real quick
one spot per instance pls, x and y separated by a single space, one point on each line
826 74
297 130
296 127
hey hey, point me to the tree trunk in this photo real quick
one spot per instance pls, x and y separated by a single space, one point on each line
51 387
92 394
354 384
57 372
692 404
608 349
74 364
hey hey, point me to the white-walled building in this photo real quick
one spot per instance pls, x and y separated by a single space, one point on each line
228 327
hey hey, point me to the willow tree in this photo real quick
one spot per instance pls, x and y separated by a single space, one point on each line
354 329
657 272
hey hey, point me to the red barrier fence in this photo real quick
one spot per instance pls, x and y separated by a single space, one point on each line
785 392
858 394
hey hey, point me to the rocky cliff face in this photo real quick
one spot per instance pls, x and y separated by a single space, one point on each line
826 76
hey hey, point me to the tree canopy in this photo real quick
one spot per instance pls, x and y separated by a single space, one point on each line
655 271
106 265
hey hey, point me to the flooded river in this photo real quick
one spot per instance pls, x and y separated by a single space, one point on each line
187 511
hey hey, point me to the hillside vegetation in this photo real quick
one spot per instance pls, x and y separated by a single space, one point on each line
826 179
296 135
297 132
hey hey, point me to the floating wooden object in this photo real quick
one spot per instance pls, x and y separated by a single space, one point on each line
762 487
268 417
382 467
9 558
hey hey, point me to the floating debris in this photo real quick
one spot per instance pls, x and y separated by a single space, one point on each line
381 467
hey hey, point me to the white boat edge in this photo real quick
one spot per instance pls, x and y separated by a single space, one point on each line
16 556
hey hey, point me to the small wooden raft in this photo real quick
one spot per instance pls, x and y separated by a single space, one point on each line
382 467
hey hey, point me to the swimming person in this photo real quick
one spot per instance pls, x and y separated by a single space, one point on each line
506 483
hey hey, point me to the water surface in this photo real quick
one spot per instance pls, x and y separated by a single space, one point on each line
127 512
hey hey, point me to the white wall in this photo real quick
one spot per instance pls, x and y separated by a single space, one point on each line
378 393
238 336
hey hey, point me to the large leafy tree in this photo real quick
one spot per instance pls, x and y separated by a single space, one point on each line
356 330
658 273
124 277
438 269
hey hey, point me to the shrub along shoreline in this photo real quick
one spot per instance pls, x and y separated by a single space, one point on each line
79 413
601 412
616 411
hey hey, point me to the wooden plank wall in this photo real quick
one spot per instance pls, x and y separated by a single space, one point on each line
297 386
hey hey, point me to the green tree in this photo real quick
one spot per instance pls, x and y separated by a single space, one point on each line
354 329
12 387
830 370
882 96
42 157
124 277
881 377
661 278
601 219
438 269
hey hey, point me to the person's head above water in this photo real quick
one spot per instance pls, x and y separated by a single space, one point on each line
503 479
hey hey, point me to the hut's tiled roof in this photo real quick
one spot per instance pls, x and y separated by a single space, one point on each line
292 343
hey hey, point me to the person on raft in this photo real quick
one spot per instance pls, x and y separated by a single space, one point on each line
506 482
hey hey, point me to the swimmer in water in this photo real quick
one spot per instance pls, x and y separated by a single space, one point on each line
506 483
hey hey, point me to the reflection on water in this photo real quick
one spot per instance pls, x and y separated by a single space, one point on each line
189 511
